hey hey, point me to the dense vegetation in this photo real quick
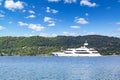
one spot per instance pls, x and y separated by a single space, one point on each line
37 45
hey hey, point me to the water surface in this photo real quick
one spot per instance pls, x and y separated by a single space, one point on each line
60 68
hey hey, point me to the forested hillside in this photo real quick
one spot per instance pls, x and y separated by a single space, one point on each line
37 45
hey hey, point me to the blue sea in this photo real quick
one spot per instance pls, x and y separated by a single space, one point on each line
59 68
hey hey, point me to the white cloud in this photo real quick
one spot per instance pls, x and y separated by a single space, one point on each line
53 0
43 34
31 12
22 24
86 14
10 22
50 21
11 5
65 1
51 24
92 33
1 28
118 23
1 2
48 35
70 1
69 34
118 29
54 11
33 6
24 11
81 21
87 3
35 27
31 16
1 15
49 10
75 27
47 19
2 11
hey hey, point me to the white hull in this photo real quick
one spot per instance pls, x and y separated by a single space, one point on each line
63 54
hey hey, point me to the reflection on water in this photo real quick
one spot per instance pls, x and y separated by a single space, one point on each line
60 68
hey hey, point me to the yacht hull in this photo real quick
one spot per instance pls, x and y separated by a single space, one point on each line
63 54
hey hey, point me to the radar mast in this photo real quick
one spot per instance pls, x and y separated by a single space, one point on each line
85 44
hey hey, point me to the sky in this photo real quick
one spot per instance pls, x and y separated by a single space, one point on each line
59 17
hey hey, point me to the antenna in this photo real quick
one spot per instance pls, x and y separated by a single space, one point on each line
85 44
61 49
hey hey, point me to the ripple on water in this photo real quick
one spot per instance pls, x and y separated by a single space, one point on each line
59 68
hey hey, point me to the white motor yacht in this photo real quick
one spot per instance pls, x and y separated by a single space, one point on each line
82 51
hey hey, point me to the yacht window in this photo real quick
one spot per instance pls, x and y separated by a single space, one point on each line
68 50
80 50
82 53
95 52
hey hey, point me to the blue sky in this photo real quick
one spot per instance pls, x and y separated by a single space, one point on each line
59 17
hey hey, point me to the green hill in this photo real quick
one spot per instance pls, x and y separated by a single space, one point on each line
37 45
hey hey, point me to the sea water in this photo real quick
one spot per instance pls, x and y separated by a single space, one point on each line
60 68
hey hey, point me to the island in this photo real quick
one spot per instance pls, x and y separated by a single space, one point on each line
44 46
